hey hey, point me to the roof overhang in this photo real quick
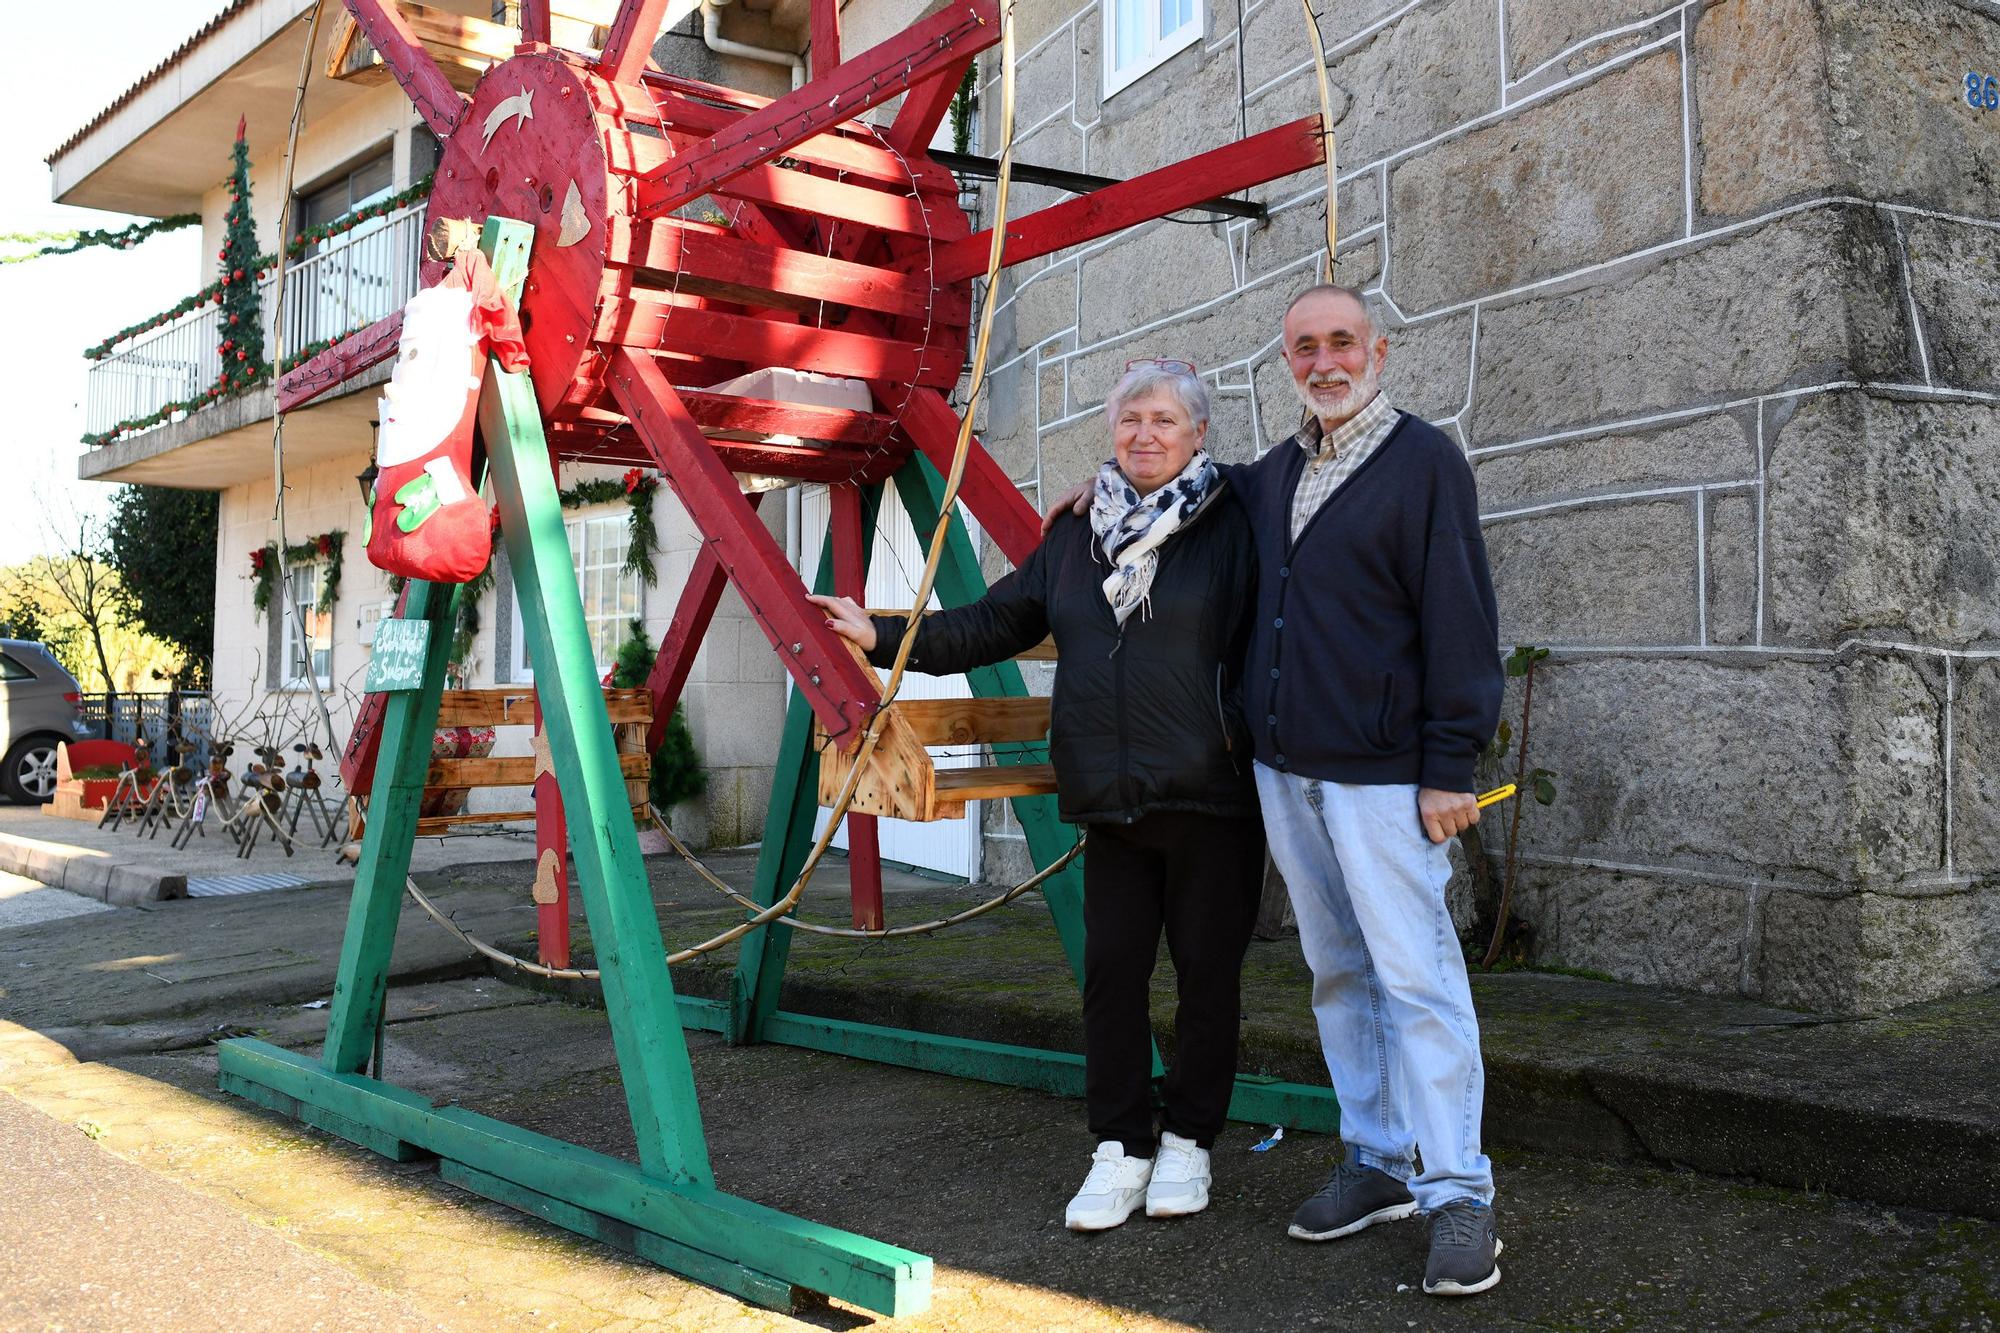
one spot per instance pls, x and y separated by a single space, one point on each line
164 143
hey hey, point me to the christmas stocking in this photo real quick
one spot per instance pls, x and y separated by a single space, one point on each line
425 517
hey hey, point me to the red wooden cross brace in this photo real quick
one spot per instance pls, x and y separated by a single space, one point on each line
841 694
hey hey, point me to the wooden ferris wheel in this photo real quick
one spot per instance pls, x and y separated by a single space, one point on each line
686 257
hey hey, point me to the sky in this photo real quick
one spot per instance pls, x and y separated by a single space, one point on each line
56 307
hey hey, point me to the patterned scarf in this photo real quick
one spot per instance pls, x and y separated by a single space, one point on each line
1131 528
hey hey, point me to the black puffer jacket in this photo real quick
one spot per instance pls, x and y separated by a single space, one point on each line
1147 721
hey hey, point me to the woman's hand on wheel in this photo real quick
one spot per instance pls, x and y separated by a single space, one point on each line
847 620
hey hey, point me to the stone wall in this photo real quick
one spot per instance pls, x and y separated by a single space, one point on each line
1708 293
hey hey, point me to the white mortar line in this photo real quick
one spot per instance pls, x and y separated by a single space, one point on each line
1950 707
1763 497
1535 98
1501 47
1178 315
1616 497
1676 414
1910 297
1598 39
1687 124
1871 884
1336 51
1701 564
1065 26
1845 648
1471 375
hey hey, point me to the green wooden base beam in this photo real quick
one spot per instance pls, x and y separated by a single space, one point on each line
733 1234
746 1283
1257 1100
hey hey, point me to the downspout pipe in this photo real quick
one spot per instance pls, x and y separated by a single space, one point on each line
712 38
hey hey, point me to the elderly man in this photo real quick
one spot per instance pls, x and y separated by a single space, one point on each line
1372 682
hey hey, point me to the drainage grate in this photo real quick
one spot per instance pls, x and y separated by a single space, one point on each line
222 886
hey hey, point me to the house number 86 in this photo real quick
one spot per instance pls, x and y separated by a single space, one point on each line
1982 91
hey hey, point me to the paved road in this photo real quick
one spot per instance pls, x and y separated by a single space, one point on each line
93 1242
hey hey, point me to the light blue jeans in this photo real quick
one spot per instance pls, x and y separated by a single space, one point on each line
1389 988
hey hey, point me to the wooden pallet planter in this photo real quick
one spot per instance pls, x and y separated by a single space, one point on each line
631 713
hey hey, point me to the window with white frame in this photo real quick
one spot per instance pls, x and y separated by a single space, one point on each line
1140 35
306 582
612 595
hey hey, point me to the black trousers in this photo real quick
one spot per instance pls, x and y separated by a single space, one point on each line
1198 877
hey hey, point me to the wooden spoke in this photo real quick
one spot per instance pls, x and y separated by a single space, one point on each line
429 91
646 319
703 260
917 120
1238 166
630 44
842 692
867 81
996 502
534 20
825 36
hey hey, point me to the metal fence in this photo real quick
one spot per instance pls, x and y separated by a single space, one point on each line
347 284
126 717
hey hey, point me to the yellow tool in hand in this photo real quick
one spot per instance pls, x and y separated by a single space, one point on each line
1497 795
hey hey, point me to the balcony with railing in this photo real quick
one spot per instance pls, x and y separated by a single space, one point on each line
346 283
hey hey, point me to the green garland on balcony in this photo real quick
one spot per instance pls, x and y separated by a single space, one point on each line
212 294
313 550
69 242
232 382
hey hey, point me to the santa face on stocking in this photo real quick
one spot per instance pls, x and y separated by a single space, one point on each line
426 520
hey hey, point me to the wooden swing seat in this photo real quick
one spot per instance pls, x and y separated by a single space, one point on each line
903 781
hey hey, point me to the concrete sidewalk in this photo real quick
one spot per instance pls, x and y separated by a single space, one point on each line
108 1019
121 866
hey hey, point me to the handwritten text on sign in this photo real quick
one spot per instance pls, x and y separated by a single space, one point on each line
398 661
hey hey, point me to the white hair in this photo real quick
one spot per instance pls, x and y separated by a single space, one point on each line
1143 381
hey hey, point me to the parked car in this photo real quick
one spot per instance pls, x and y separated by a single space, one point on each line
38 709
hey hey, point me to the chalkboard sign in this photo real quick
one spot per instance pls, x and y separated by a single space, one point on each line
398 663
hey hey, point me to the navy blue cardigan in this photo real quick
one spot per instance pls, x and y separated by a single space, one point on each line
1374 655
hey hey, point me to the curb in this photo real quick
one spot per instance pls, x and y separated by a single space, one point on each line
90 874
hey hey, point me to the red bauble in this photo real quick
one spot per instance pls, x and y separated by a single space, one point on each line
238 275
242 355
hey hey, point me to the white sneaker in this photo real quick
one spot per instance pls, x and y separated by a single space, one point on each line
1180 1178
1115 1186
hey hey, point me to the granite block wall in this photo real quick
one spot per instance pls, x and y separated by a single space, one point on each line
1710 294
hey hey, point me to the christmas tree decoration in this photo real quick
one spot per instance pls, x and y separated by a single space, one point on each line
239 251
426 518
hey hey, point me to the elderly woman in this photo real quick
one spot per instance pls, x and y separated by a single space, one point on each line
1149 602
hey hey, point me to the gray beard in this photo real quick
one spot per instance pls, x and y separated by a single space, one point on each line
1359 396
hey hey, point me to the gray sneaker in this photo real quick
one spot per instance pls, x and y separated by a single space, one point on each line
1353 1197
1463 1250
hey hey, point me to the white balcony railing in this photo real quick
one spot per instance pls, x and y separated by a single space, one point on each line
350 282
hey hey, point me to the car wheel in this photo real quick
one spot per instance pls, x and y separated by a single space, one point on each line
29 772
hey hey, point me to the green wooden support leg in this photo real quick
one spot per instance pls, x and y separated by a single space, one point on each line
408 724
788 835
618 900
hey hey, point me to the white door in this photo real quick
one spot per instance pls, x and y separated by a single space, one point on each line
948 846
